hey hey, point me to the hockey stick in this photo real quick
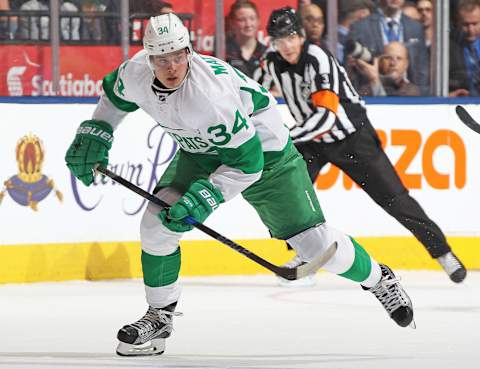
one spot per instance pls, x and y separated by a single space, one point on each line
284 272
467 119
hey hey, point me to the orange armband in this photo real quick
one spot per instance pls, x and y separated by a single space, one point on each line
326 99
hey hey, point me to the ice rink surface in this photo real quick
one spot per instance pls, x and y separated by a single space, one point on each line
245 322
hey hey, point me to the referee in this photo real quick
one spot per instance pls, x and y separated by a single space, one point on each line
332 127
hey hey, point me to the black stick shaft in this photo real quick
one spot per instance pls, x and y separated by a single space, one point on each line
233 245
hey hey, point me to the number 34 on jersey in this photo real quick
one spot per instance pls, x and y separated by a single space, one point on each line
215 135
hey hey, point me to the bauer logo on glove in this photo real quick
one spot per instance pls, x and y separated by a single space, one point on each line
94 131
90 147
201 199
209 198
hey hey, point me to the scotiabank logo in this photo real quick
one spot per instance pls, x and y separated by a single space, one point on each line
28 78
69 86
14 80
16 76
416 146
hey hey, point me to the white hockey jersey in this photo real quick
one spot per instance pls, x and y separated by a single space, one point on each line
216 111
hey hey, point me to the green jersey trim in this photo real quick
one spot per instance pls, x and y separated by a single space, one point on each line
108 85
210 162
248 157
260 101
271 157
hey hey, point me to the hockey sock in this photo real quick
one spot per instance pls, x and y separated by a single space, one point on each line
350 261
363 269
160 271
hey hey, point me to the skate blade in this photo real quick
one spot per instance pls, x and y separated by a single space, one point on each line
412 324
154 347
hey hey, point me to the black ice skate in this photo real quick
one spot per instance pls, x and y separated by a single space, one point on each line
147 336
393 298
453 266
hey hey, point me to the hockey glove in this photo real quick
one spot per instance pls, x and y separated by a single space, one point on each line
90 147
201 199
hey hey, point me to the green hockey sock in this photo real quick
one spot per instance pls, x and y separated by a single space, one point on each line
362 264
160 271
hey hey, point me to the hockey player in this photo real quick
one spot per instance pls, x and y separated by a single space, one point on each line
231 140
332 127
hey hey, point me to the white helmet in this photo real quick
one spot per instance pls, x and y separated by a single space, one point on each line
165 34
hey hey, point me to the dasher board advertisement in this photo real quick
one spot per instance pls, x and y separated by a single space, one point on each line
436 156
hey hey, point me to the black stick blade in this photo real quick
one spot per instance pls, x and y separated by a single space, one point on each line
467 119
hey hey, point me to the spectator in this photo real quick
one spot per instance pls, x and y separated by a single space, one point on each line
388 75
15 4
350 12
8 25
69 26
152 7
112 23
393 68
33 28
165 8
92 28
320 3
141 11
389 24
465 51
302 3
410 10
243 49
136 7
37 28
425 9
313 22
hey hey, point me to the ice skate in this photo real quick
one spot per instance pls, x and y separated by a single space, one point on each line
393 298
308 281
453 266
147 336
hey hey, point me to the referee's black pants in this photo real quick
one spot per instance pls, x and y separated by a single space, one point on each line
362 158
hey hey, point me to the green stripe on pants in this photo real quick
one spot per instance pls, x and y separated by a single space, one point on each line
160 271
362 265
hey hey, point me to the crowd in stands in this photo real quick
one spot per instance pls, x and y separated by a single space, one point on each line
385 45
81 20
243 50
465 50
32 27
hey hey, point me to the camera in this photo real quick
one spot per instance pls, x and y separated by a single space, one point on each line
356 50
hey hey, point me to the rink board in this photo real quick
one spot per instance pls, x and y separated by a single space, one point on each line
111 260
93 232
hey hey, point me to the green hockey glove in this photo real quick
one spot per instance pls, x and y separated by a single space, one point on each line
201 199
90 147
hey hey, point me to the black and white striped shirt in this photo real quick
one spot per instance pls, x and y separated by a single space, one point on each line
318 93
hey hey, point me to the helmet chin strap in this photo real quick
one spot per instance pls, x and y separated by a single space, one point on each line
184 78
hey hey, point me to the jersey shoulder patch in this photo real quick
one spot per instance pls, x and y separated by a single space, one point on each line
114 86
